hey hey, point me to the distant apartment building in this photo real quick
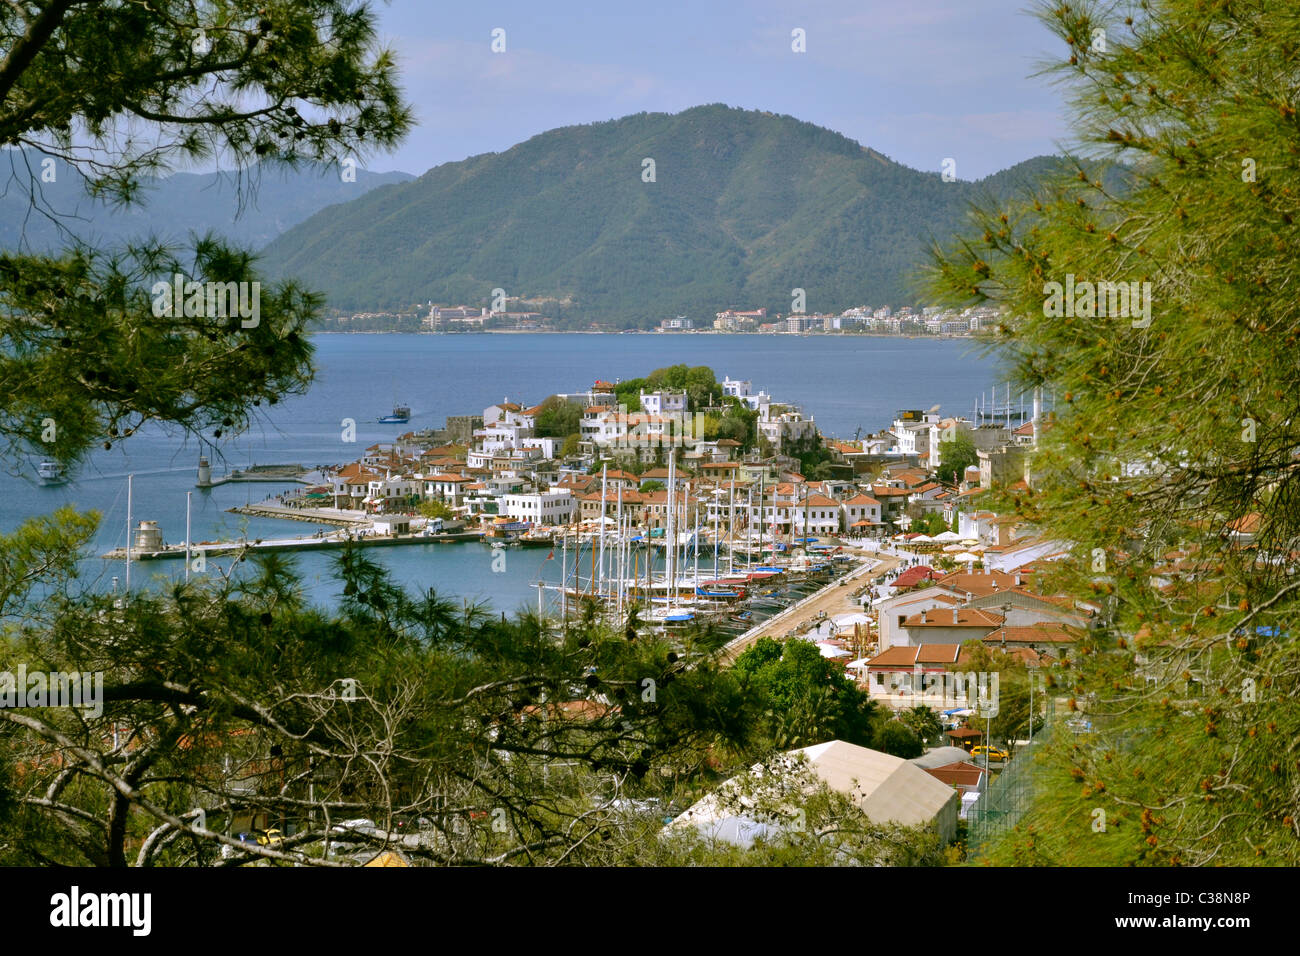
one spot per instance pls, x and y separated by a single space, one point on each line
441 314
679 324
734 319
798 324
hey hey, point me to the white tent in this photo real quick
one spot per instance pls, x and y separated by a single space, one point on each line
887 789
967 558
851 618
921 539
947 536
830 650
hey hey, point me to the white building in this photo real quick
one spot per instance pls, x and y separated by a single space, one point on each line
540 507
781 427
663 403
745 392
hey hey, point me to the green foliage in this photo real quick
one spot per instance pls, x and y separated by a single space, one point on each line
628 393
558 418
1168 435
805 699
651 485
811 454
187 74
41 556
955 456
399 706
753 199
897 738
435 509
84 358
922 721
930 523
570 446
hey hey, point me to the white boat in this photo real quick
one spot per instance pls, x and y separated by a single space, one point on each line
51 473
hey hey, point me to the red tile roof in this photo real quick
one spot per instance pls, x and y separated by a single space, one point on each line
959 774
914 576
904 656
1041 633
964 617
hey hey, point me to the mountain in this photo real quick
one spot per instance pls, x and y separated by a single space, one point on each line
273 200
744 207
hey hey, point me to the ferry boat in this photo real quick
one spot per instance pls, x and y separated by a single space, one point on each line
51 473
401 415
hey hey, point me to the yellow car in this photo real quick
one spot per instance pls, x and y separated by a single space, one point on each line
270 837
993 753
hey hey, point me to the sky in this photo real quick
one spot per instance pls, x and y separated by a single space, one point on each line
918 80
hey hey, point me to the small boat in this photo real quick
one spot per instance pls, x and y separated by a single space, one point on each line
400 416
51 473
536 538
726 595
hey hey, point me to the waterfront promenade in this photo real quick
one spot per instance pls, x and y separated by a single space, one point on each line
834 599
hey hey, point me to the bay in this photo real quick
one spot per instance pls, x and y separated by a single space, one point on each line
845 382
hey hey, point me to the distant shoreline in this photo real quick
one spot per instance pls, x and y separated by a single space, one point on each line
745 335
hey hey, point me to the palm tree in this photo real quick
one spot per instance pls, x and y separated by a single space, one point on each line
923 721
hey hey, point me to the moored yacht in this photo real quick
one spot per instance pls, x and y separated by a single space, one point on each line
51 473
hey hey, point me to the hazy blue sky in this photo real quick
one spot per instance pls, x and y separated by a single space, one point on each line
918 80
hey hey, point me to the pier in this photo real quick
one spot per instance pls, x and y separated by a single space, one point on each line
278 474
301 543
334 516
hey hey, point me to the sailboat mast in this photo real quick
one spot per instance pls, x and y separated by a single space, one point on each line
731 528
618 587
716 509
129 481
188 496
670 541
695 539
604 507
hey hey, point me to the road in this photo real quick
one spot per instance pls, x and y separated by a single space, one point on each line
834 599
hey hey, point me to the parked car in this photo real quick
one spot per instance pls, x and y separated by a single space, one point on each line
994 753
